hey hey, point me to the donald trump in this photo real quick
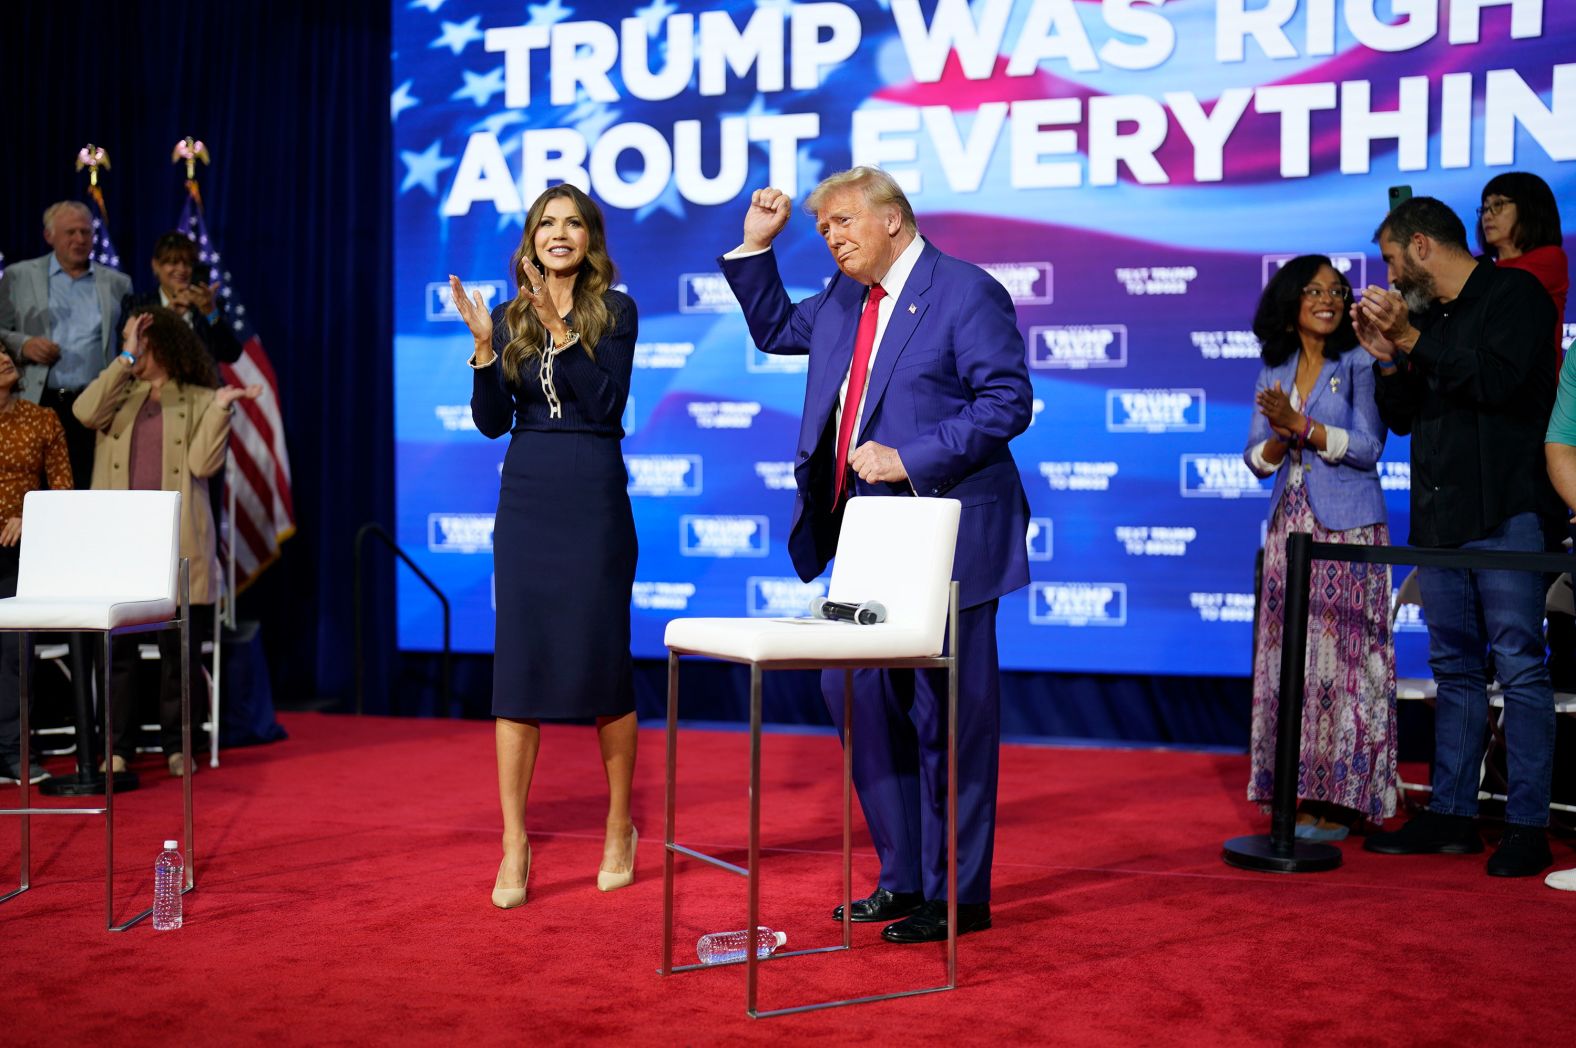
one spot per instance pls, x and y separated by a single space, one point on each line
916 383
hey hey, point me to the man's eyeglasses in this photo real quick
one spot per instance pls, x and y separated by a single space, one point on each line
1339 294
1494 207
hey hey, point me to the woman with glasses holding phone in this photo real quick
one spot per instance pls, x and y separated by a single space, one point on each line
1519 226
1317 431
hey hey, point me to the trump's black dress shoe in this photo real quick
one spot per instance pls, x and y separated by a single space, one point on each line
881 905
929 922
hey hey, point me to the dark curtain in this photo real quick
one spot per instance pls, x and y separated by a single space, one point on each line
291 97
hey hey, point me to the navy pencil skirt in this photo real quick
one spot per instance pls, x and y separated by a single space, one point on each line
563 564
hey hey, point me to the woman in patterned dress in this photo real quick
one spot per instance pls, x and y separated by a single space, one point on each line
1318 433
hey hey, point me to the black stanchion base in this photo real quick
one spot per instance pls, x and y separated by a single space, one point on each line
1257 853
85 784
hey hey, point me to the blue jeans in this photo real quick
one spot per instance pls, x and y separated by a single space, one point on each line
1503 610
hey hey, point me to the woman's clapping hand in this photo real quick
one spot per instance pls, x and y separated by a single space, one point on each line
474 313
1275 405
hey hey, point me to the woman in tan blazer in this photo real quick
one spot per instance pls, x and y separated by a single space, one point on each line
162 426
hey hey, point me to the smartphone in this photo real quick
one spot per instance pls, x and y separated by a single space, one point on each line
202 273
1398 194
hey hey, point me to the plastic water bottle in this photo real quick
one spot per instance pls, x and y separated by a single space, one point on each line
724 947
168 879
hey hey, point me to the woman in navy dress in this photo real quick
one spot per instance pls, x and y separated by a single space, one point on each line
551 369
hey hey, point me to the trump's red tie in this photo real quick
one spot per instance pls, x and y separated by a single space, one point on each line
864 343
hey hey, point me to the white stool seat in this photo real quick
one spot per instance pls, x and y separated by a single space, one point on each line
792 640
109 612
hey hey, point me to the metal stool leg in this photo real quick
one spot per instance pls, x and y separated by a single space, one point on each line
669 809
190 844
109 799
24 871
848 809
752 959
952 791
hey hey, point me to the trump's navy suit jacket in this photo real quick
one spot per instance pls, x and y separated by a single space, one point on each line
949 389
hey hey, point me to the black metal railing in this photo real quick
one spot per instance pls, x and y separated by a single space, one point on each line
378 531
1280 851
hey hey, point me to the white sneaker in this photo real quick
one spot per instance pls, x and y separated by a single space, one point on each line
1563 880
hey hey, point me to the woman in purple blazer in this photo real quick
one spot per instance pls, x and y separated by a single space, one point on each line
1317 432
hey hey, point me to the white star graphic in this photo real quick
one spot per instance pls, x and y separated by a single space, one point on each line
401 100
591 119
480 87
669 201
431 5
495 124
757 107
422 169
808 167
510 218
548 13
654 14
456 35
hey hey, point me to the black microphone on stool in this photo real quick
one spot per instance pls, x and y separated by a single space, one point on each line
867 613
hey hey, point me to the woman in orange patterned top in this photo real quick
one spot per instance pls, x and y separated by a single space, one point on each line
32 447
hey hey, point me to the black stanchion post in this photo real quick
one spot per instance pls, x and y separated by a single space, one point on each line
1281 852
1293 686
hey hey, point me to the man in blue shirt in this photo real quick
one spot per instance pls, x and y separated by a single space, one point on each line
59 321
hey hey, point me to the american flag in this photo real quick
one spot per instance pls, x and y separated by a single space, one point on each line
257 470
103 252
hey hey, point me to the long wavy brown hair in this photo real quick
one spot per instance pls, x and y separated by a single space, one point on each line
178 349
596 275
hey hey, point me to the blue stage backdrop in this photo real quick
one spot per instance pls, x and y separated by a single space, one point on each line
1132 171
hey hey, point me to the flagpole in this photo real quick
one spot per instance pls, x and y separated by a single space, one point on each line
258 461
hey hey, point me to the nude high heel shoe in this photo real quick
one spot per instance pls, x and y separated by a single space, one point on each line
509 898
607 880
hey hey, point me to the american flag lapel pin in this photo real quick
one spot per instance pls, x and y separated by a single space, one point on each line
913 308
1335 384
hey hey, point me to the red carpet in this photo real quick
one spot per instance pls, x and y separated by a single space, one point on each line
343 882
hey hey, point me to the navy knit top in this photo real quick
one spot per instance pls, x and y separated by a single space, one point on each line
589 394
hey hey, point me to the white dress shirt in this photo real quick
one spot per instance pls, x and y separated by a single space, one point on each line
892 283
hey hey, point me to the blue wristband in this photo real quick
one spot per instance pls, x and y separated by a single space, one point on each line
130 360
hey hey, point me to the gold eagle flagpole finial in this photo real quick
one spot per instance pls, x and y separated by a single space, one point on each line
190 150
93 158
